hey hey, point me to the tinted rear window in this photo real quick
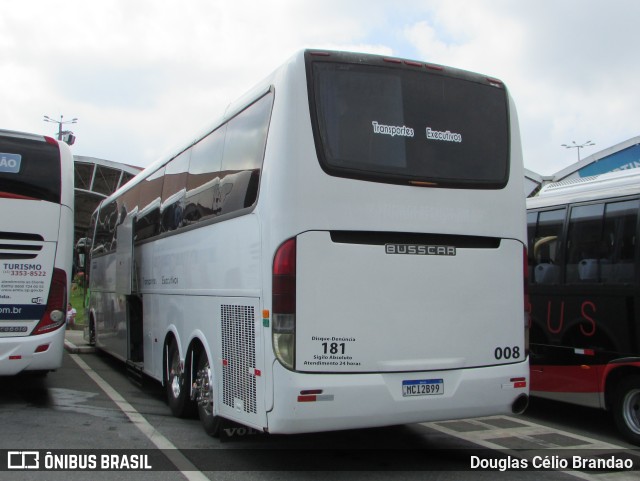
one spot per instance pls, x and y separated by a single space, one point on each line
30 168
393 124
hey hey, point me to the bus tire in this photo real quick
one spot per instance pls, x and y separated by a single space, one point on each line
626 408
176 385
92 332
211 423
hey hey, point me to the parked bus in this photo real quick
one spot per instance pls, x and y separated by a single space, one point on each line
327 255
36 250
585 336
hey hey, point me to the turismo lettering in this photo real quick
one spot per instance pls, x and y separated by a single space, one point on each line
22 267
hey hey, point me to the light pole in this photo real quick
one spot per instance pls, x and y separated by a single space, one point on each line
588 143
60 123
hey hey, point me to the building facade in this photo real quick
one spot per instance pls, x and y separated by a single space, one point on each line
96 179
622 156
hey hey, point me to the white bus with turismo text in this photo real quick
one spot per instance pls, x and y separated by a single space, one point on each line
343 248
36 250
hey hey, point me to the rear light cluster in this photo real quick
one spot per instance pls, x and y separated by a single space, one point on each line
11 195
54 315
284 303
527 302
412 63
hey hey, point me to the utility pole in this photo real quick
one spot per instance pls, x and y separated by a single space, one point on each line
70 138
588 143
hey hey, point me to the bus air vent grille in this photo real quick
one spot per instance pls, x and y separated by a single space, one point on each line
239 352
17 246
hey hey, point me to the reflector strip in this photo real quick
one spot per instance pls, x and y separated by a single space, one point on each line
585 352
15 358
419 183
314 398
42 348
515 383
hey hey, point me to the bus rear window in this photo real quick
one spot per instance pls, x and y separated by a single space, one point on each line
30 168
397 125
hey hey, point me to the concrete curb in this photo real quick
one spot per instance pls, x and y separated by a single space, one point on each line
73 349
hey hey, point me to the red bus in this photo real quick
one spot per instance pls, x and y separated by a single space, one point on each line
584 288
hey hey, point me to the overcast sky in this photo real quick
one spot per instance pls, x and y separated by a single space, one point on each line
143 75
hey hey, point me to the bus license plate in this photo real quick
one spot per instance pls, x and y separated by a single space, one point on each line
423 387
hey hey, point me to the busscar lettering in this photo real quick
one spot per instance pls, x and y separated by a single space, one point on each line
420 250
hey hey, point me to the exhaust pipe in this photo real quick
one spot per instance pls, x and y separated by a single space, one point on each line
520 404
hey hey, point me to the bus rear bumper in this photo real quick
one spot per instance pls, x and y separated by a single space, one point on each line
19 354
327 402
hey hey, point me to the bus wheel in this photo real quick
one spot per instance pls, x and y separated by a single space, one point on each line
626 408
175 383
203 388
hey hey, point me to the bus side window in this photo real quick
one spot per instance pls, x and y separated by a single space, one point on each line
91 235
203 198
105 240
148 219
243 154
128 203
585 248
620 226
546 247
173 192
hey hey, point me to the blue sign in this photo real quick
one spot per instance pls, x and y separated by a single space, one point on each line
10 163
628 158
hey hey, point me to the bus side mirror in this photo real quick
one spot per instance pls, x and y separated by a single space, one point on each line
81 247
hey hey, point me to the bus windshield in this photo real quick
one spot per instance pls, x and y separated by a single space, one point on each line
30 169
398 125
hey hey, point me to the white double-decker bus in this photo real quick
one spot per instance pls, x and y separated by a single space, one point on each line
36 250
343 248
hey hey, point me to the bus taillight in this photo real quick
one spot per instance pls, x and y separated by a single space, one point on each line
284 303
54 315
527 301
